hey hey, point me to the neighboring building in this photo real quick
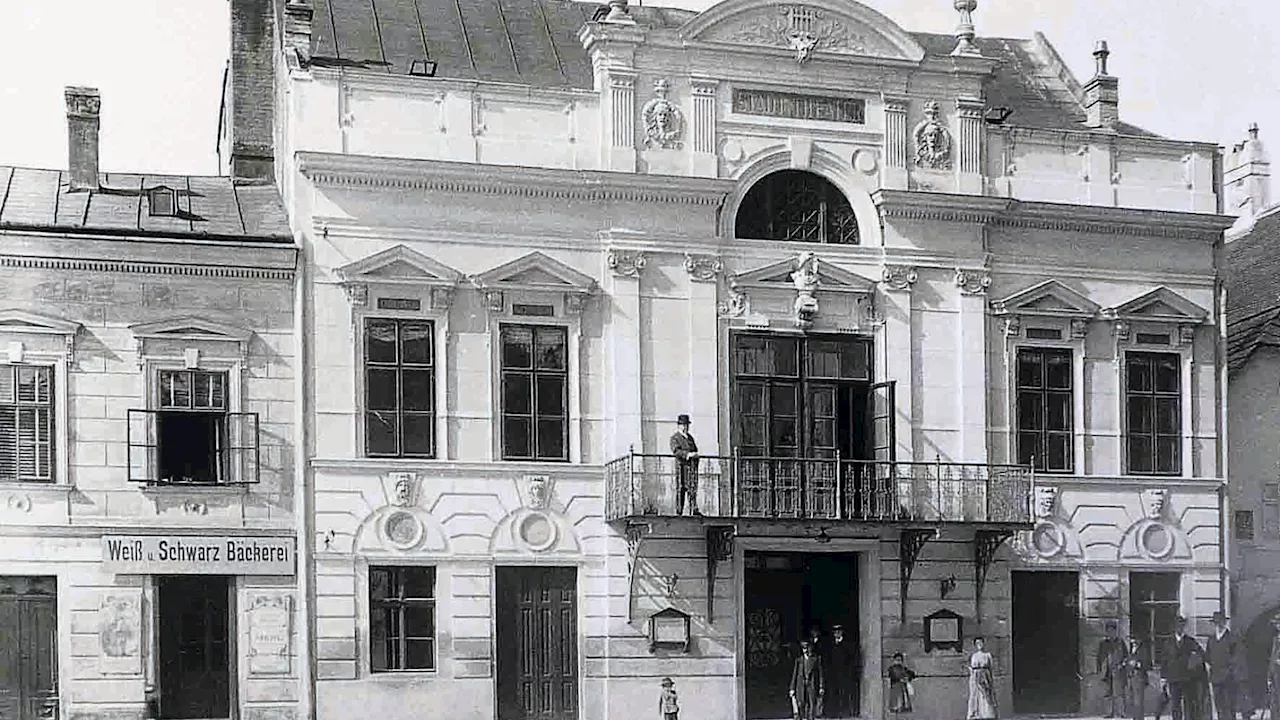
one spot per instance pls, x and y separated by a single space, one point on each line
146 443
1253 396
883 272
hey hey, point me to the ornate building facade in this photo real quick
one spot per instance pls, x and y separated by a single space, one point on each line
146 443
894 280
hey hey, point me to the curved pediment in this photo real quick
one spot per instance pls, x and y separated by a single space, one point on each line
840 27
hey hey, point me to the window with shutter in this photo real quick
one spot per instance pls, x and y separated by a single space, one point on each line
26 423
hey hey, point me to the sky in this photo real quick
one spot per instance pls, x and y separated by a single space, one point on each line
1192 70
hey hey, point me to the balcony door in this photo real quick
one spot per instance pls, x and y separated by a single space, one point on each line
801 402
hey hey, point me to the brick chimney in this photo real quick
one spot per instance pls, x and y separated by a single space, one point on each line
83 106
1246 177
246 128
1102 93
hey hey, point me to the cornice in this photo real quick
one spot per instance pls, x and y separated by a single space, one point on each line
945 207
407 85
457 468
1107 137
363 171
143 268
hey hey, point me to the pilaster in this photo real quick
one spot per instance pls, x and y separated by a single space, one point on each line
623 336
895 144
969 150
621 150
897 283
704 358
702 127
972 371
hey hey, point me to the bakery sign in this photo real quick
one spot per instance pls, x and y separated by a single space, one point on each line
197 555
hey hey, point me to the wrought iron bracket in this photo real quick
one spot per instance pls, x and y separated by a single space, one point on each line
910 542
719 549
635 533
985 545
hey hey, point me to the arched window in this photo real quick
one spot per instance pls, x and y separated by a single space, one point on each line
794 205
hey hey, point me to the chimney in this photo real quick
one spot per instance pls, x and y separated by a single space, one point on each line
1102 93
1247 177
246 131
83 106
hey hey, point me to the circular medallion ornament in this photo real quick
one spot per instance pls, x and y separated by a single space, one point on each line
864 161
1155 541
20 503
1047 540
537 531
402 529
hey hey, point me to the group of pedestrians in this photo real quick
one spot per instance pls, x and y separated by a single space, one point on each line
825 677
1194 681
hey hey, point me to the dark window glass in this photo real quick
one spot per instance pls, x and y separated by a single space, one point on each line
1045 409
1153 413
1154 606
796 206
400 388
26 423
402 618
535 392
191 426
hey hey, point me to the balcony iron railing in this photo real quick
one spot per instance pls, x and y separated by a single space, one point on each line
639 485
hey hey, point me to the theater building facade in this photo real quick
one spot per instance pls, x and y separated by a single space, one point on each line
944 326
147 549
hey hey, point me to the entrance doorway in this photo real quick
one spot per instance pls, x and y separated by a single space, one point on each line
537 643
194 639
786 594
1046 642
28 647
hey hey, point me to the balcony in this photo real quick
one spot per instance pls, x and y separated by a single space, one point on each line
832 489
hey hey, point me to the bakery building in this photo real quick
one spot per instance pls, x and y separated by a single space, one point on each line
148 557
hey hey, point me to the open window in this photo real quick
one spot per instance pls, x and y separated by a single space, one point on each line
189 437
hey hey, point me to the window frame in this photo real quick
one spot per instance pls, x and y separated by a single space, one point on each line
363 382
570 391
768 185
14 369
46 341
1184 461
367 607
1154 649
160 409
1045 347
1073 334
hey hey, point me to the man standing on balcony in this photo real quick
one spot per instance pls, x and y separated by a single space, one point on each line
685 450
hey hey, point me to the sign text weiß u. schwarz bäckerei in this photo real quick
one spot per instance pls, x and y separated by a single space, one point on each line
192 555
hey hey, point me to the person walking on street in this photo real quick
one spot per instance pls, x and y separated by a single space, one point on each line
1110 664
1135 669
1221 654
685 450
1183 669
808 684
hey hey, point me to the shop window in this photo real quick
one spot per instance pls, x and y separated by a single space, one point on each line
1153 415
26 423
535 392
402 618
1044 412
796 206
400 388
1154 604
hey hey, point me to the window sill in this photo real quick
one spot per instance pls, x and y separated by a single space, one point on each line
403 675
43 488
194 489
376 465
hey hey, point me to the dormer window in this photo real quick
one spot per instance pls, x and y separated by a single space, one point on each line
162 201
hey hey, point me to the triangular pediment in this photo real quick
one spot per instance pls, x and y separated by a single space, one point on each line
836 27
399 264
536 271
24 321
1160 305
831 278
191 328
1048 298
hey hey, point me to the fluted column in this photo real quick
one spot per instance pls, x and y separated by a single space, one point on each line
702 127
969 152
895 144
622 121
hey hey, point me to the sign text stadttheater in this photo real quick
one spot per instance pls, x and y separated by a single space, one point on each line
192 555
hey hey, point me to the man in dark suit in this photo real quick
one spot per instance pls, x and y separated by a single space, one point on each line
1110 665
1183 668
685 450
1221 654
844 674
1136 665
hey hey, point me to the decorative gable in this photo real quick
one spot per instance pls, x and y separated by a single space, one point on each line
535 273
400 266
778 275
1047 299
23 322
804 277
191 329
1160 305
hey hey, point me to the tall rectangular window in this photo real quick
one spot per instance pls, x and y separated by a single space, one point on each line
535 392
191 425
400 388
402 618
1153 607
1045 405
26 423
1153 415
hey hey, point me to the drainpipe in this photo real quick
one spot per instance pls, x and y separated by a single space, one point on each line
1221 372
302 502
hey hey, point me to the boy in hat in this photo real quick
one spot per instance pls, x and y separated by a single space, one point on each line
685 449
669 704
1220 654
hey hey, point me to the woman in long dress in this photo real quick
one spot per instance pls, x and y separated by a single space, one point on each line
982 686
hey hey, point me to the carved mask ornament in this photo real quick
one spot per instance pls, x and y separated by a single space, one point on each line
1154 501
539 492
805 278
663 120
1046 498
402 495
933 140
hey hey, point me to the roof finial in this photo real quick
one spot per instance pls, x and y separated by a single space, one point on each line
618 12
964 31
1100 53
1253 131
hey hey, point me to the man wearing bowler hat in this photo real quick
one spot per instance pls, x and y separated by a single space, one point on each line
685 449
1221 655
1183 667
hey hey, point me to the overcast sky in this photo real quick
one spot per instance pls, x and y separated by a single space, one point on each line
1193 70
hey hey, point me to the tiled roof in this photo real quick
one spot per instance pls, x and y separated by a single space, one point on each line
535 42
1253 289
207 207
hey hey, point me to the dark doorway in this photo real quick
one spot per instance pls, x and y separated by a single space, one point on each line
1046 642
537 643
28 647
194 637
785 595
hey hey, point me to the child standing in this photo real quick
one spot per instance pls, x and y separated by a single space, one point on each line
900 689
669 704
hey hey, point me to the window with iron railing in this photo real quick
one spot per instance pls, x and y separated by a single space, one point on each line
26 423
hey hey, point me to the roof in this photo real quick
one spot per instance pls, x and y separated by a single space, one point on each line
535 42
1253 289
207 207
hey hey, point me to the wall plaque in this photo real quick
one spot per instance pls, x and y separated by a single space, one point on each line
270 634
391 303
197 555
943 630
795 106
120 633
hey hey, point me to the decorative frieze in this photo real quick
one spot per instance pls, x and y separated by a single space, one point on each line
972 282
626 263
899 277
703 268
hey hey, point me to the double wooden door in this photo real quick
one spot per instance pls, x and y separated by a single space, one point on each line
194 642
28 648
537 643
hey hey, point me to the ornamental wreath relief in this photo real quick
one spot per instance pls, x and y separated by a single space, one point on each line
663 121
